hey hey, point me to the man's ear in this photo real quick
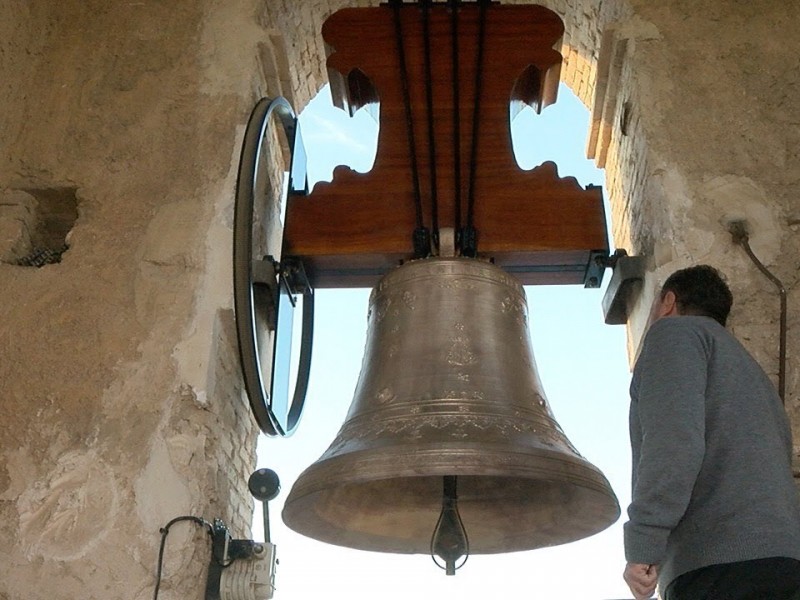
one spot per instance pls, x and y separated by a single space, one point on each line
669 304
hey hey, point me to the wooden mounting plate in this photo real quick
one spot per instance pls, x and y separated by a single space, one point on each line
535 224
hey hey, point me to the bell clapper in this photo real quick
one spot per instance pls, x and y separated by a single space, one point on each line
449 541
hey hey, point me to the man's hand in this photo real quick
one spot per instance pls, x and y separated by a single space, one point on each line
641 579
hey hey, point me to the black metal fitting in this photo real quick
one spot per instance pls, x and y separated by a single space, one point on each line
422 242
468 241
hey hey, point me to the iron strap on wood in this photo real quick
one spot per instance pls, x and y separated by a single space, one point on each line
456 119
421 236
466 239
426 35
469 237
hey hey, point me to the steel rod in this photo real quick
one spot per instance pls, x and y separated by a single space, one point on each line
456 113
426 16
412 144
473 161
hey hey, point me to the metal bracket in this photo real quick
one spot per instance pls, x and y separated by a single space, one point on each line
244 569
220 540
624 287
598 260
239 569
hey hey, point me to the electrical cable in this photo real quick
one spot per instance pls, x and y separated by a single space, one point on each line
740 236
164 532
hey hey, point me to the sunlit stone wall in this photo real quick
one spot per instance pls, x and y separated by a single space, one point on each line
697 133
120 403
120 400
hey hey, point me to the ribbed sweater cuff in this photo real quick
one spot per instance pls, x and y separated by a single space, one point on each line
644 545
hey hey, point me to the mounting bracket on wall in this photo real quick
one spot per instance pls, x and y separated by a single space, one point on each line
244 569
267 291
624 288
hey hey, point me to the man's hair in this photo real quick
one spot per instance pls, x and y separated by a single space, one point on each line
700 290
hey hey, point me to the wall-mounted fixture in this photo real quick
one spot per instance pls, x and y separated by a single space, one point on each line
450 447
244 569
239 569
627 277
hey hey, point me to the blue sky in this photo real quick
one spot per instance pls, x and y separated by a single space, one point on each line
581 361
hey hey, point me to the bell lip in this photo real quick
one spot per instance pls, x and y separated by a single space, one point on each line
303 517
300 511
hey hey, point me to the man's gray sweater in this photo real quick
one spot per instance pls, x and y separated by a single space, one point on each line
712 478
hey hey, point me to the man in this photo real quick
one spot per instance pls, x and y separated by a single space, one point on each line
714 512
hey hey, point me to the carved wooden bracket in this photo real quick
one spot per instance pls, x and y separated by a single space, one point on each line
535 224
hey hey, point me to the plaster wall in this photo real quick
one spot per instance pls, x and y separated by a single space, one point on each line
120 400
120 404
709 91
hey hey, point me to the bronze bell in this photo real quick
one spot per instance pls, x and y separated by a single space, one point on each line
448 394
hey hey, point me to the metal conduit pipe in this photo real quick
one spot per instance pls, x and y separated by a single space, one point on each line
738 230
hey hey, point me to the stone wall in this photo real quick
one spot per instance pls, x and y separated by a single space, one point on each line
120 400
705 96
120 403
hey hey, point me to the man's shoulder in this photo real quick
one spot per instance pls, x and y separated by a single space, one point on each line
685 326
684 333
688 333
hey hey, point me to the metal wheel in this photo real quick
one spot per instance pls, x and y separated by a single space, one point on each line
265 290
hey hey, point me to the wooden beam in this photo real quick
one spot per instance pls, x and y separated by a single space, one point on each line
534 223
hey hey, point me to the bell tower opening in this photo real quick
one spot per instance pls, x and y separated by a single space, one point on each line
582 363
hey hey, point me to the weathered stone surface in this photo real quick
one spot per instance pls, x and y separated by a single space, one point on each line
140 107
17 224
